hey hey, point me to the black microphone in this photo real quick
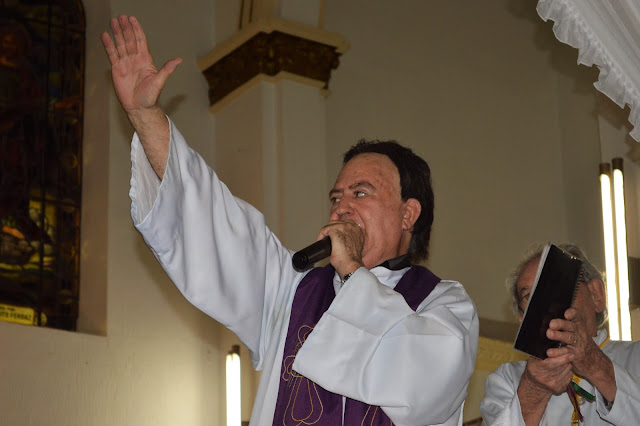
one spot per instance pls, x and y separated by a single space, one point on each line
312 254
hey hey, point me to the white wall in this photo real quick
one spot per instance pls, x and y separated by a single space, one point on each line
472 87
146 357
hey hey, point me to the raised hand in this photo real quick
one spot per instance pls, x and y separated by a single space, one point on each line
136 79
138 84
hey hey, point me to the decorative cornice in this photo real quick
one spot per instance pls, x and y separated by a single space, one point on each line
271 48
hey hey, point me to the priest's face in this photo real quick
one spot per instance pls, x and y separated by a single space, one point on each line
367 192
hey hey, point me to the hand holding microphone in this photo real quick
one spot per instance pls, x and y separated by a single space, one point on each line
348 241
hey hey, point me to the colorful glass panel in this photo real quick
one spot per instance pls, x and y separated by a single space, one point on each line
41 105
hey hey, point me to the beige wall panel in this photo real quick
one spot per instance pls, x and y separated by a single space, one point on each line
472 88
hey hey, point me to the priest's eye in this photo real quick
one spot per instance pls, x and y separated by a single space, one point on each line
523 302
334 200
359 194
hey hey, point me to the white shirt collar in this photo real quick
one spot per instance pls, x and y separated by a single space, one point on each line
385 276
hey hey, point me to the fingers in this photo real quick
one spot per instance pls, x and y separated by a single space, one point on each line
574 315
339 231
118 37
339 225
126 32
562 325
561 358
570 331
129 37
347 240
110 48
141 39
565 337
562 354
552 374
562 331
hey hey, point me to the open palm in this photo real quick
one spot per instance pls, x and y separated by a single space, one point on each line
136 79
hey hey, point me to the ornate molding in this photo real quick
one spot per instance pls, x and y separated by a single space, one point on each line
270 49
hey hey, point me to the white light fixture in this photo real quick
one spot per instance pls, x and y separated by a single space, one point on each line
234 413
609 250
615 247
621 249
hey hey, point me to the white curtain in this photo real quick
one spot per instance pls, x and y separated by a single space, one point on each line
607 34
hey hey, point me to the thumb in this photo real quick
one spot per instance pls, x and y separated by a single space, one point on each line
167 70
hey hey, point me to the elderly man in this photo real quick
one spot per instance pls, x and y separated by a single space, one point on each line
590 380
369 339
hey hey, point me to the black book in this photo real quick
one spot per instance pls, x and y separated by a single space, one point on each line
552 294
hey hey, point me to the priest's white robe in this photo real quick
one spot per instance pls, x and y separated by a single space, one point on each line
370 345
501 405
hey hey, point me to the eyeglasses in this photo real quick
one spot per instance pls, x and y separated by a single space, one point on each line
524 300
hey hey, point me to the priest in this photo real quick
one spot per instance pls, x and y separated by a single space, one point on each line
372 338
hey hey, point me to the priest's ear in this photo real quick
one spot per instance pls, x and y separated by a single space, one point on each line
411 212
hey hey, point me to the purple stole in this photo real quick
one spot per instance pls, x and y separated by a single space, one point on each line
302 402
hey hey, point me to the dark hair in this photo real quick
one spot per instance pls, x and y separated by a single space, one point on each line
415 182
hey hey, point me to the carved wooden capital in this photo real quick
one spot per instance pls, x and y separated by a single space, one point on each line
270 53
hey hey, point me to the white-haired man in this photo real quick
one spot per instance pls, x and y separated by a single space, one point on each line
590 380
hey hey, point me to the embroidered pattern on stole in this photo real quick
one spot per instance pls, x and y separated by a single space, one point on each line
302 402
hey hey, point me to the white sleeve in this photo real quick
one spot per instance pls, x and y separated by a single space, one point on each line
500 405
626 407
214 247
372 347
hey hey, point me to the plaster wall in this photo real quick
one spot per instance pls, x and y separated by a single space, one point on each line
143 355
473 88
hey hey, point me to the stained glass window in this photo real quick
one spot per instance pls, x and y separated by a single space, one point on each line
42 46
